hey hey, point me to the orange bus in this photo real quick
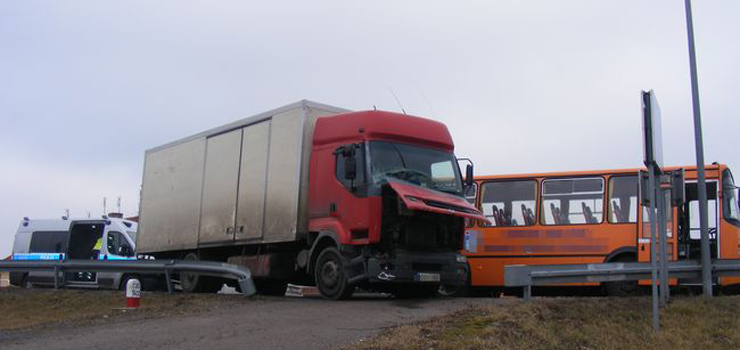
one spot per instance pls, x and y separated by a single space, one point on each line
592 217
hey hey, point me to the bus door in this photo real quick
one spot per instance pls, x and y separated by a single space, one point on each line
644 233
690 230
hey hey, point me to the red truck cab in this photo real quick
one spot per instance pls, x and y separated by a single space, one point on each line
386 205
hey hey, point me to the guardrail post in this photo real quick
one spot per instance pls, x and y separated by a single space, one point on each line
56 277
527 292
168 280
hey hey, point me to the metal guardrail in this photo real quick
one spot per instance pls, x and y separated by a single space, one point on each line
165 267
536 275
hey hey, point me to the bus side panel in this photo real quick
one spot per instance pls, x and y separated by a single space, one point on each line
489 272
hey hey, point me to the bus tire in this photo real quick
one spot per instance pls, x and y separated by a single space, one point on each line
622 288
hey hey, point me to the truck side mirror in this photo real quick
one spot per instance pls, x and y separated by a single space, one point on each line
350 168
469 175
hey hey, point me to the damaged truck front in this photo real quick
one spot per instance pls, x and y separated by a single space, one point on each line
391 217
310 193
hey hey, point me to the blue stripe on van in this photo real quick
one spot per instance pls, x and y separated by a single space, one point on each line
115 257
38 256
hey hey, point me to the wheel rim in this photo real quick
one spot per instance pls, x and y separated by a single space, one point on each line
188 281
330 274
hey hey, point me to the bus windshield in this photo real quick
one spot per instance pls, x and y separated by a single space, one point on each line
426 167
731 210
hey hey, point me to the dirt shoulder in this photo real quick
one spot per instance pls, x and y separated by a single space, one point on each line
583 323
46 308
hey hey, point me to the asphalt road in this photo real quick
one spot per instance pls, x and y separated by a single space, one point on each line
266 323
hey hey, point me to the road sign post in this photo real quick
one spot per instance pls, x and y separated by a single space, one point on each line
653 159
699 143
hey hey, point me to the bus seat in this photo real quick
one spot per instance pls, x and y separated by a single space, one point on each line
496 216
617 212
588 214
531 215
555 214
525 215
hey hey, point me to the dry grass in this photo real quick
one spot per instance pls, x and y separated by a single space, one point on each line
22 309
580 324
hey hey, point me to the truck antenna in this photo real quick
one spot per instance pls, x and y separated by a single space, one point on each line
397 101
119 204
104 207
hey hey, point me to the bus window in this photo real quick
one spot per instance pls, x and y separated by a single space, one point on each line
623 199
572 201
731 211
509 203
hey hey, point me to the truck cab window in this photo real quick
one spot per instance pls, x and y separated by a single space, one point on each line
423 166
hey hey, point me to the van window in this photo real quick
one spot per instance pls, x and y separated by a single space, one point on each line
572 201
118 245
623 199
48 242
509 203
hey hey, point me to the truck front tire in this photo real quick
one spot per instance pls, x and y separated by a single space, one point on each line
330 277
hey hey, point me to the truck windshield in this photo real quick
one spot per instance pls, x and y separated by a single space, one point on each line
426 167
730 198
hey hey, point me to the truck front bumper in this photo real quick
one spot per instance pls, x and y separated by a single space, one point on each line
424 267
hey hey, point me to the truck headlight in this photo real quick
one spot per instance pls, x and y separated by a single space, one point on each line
462 258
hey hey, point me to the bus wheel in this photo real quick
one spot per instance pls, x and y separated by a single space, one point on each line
330 277
622 288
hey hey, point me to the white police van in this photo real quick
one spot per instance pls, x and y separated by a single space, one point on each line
63 239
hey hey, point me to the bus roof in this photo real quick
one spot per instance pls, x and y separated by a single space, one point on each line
715 166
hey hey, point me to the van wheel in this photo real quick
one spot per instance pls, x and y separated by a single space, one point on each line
330 277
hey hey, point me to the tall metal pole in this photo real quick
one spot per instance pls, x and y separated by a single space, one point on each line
706 271
662 233
653 255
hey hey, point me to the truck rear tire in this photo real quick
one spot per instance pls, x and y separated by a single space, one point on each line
194 283
330 277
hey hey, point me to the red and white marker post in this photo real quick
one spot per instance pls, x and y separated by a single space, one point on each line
133 293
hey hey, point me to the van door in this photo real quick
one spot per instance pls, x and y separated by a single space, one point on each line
116 247
46 245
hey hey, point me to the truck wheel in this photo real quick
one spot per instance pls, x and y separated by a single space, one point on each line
194 283
330 277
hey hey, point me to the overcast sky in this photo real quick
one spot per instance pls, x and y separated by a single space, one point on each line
524 86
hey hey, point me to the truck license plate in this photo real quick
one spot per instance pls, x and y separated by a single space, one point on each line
427 277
